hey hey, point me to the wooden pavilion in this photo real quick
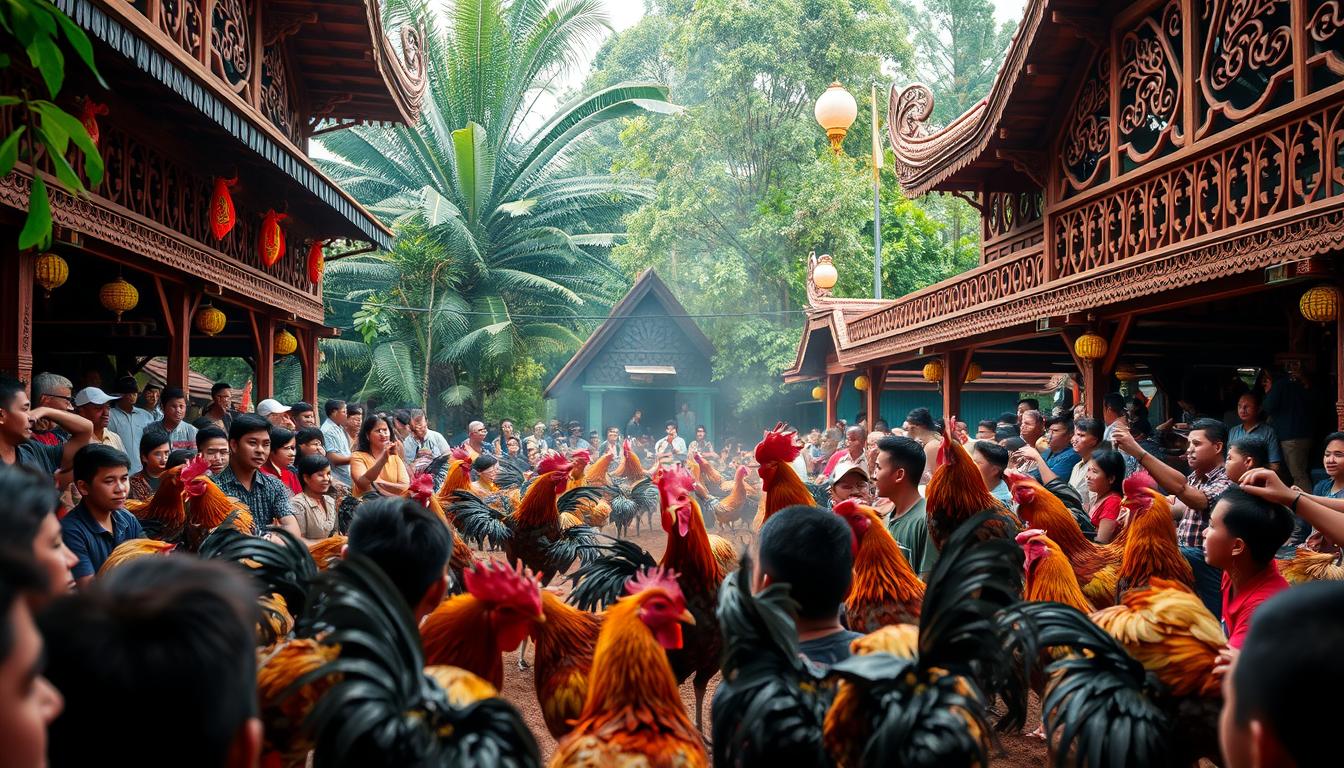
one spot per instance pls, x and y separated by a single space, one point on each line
1163 179
202 91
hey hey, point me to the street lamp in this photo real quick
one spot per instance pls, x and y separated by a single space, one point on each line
835 112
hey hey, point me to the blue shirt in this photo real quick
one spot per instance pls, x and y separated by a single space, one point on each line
335 440
1261 431
130 427
1002 493
91 542
1059 462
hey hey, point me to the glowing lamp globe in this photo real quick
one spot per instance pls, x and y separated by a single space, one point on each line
285 343
210 320
118 296
861 383
818 393
51 272
1320 304
1090 347
933 371
824 274
835 112
973 372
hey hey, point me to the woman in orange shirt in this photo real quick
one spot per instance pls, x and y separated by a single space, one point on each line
376 463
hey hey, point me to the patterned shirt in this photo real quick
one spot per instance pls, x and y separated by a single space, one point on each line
268 499
1190 531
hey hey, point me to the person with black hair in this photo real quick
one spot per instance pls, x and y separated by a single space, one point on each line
179 456
1197 492
992 459
100 521
1252 425
1004 432
265 495
1243 535
671 447
1027 404
220 410
309 441
900 464
1087 434
422 443
28 702
376 463
162 640
28 523
314 510
985 429
16 431
409 544
486 469
1245 454
921 426
180 433
810 549
336 440
1059 458
130 421
280 463
1112 413
213 443
1105 475
1269 720
154 450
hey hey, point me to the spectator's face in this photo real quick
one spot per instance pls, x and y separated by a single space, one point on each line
156 460
58 398
1248 410
988 472
28 703
151 398
14 421
1132 413
639 415
699 434
1031 429
513 444
284 454
887 476
1220 546
854 441
353 421
108 488
671 430
313 447
1082 441
251 450
174 410
983 432
1237 464
478 432
419 428
100 415
1201 453
1059 436
221 398
1096 479
338 416
1334 458
851 486
308 419
539 430
54 557
1021 409
281 420
319 482
216 453
506 429
380 435
613 435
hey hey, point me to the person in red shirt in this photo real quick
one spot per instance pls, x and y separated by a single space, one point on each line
1105 474
281 462
1244 533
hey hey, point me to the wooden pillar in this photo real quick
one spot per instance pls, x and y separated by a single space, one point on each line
834 381
177 305
872 398
309 359
1094 387
595 419
954 377
16 313
263 337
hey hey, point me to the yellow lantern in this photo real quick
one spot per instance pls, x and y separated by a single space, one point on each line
818 392
1090 347
824 274
861 383
210 320
1320 304
285 343
1126 372
973 372
51 272
933 371
835 112
119 296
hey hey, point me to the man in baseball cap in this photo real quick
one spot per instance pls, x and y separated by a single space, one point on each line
95 405
849 480
275 412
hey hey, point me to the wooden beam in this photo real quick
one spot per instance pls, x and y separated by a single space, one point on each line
1118 338
877 380
955 364
16 312
263 335
834 382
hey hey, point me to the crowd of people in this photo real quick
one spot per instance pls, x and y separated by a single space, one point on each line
166 630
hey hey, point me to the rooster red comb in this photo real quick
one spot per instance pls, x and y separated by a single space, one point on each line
1023 486
667 478
422 488
581 457
1029 534
553 463
846 507
494 582
460 454
655 578
195 468
780 444
1138 482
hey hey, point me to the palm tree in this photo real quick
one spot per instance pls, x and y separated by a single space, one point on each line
498 236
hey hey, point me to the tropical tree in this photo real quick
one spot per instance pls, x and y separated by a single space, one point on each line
503 245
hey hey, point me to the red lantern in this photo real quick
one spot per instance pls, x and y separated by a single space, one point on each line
89 117
316 262
272 237
222 215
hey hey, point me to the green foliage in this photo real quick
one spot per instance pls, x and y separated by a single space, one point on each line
520 396
37 28
960 49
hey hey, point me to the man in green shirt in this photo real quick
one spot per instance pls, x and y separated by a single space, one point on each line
900 464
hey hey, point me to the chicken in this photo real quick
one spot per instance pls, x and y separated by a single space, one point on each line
327 551
208 507
782 486
383 706
633 713
474 630
957 492
728 510
1166 627
593 511
634 506
1049 576
164 515
461 557
284 567
725 554
578 465
462 687
283 710
1308 565
1150 550
597 472
1097 567
708 474
630 471
885 589
274 623
564 655
134 549
457 479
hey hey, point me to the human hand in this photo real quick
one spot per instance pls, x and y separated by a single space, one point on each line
1265 483
1124 441
1028 453
1227 658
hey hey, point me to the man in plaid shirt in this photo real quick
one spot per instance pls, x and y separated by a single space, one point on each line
1197 492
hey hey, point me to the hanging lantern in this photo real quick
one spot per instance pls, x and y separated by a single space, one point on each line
861 383
1320 304
222 214
933 371
89 115
285 343
818 392
1126 372
1090 347
119 296
316 262
210 320
973 372
272 237
51 272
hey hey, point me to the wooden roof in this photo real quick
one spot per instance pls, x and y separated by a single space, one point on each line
647 283
999 143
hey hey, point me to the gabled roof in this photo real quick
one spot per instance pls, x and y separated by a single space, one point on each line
647 283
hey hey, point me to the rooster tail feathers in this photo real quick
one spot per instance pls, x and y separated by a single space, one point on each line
601 581
571 499
286 568
575 542
477 520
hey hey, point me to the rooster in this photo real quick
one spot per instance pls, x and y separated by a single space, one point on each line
956 492
1150 547
284 709
728 510
782 486
327 551
163 515
474 630
630 471
597 473
1309 565
1096 566
1049 576
564 655
458 477
461 557
885 588
636 506
633 713
208 507
708 474
133 549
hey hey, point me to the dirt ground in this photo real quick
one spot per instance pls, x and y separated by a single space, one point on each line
519 688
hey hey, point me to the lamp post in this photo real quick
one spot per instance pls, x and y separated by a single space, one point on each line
835 112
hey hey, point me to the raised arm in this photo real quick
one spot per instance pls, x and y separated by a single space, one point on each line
1168 478
80 429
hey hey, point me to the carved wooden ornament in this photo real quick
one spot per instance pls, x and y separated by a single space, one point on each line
222 215
272 241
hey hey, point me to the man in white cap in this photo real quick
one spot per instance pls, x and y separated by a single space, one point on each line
849 480
275 412
95 405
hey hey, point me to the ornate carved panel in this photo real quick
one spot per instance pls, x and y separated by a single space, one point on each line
648 339
1325 42
1012 223
1247 64
181 19
231 45
277 100
1288 167
1149 112
1087 134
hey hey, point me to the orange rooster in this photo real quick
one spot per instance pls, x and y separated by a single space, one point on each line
708 474
208 507
1150 546
474 630
782 486
728 510
633 714
630 471
885 590
578 467
421 490
1096 566
282 709
565 642
1049 575
957 492
1170 632
598 472
134 549
327 551
163 515
1310 565
457 479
